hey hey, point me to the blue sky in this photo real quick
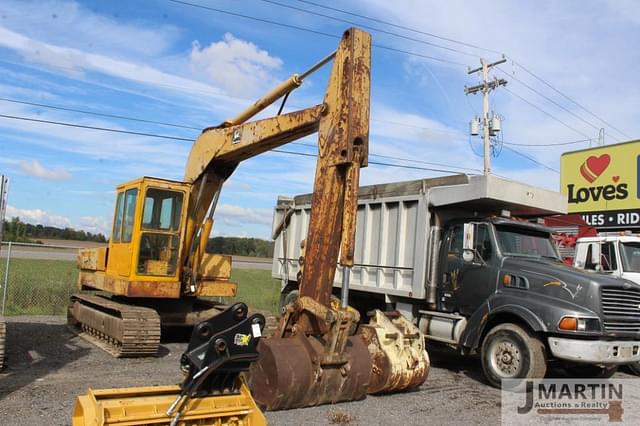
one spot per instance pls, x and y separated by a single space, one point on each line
169 62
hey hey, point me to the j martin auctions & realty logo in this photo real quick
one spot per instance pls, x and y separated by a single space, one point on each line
570 401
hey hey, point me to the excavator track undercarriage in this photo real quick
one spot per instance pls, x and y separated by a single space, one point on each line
127 331
120 329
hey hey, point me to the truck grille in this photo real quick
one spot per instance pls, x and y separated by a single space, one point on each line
625 306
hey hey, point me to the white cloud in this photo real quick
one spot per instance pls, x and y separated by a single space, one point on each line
37 217
93 224
74 62
233 214
583 51
238 67
34 168
98 32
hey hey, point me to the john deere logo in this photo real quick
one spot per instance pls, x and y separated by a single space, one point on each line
591 169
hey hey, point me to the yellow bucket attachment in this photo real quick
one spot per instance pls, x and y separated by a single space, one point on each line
148 406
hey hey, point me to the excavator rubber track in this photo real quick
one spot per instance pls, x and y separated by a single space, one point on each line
3 339
124 331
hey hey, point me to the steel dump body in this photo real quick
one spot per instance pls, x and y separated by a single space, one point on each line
397 225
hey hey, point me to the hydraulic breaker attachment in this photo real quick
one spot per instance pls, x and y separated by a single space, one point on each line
398 356
212 393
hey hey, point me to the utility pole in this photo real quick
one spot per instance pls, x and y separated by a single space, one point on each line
600 137
485 87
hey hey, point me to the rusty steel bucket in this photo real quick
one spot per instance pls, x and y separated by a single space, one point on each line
398 356
290 373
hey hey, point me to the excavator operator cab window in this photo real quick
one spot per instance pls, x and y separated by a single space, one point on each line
117 220
125 216
159 241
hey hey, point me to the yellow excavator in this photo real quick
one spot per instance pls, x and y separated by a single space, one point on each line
320 353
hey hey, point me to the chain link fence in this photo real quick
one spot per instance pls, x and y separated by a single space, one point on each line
36 279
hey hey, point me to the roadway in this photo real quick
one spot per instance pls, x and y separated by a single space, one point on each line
48 253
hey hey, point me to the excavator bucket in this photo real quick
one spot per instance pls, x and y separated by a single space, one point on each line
292 373
212 393
384 356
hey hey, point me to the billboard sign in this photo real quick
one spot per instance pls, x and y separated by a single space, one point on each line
603 184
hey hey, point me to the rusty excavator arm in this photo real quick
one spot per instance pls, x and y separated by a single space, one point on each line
343 133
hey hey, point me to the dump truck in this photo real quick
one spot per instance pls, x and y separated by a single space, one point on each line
461 256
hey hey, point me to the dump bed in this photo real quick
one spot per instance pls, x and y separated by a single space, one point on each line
394 222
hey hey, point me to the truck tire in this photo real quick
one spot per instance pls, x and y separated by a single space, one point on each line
511 352
635 368
590 371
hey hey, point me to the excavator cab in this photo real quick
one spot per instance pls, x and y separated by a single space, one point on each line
143 256
147 227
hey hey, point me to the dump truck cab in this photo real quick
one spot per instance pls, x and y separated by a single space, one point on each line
473 256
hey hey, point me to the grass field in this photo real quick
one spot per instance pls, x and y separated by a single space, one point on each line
43 287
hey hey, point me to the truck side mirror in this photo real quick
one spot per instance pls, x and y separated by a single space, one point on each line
468 255
469 236
596 251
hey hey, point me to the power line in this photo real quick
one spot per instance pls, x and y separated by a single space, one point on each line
98 114
528 71
163 123
402 27
368 27
377 163
63 108
546 113
523 155
531 73
153 135
103 129
551 100
309 30
548 144
411 160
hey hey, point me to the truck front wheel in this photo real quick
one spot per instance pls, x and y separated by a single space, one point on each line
511 352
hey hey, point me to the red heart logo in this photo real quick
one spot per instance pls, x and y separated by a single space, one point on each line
594 166
615 179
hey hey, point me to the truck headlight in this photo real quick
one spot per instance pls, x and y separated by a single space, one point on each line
571 323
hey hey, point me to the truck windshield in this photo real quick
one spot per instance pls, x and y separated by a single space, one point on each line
630 253
516 241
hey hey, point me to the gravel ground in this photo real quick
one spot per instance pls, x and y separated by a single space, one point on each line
48 366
